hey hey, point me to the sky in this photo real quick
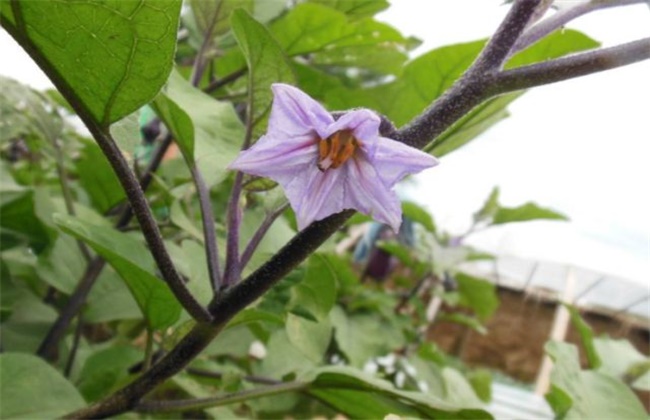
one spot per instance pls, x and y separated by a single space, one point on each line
580 147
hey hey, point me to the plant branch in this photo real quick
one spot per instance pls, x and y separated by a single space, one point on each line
209 233
218 375
225 399
569 67
217 84
259 234
471 89
233 268
562 17
224 306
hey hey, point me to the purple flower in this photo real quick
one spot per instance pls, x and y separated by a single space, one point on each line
327 166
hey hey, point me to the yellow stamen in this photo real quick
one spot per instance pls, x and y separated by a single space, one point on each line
336 149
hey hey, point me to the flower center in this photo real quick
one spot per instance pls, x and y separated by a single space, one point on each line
336 149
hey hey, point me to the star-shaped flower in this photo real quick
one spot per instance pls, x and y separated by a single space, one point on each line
325 165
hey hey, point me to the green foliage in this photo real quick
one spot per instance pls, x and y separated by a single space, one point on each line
266 62
579 394
31 388
478 294
134 264
208 132
115 64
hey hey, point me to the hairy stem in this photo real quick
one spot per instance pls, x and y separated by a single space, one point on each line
569 67
209 233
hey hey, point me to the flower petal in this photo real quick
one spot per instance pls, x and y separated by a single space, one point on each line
277 158
322 195
395 160
294 113
370 197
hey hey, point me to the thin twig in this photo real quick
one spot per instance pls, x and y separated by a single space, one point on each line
562 17
209 232
75 346
217 84
220 400
199 60
565 68
48 349
218 375
232 271
259 234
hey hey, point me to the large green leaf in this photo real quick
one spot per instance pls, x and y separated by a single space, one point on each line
267 64
310 338
207 131
360 395
587 394
622 360
134 264
112 57
33 389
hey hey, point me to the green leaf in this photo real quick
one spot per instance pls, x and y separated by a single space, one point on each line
207 131
617 356
134 264
106 368
19 224
110 300
525 212
356 8
334 39
267 64
213 16
283 357
98 179
490 207
28 324
310 338
316 293
363 336
419 215
586 337
126 133
360 395
592 394
478 294
111 57
33 389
